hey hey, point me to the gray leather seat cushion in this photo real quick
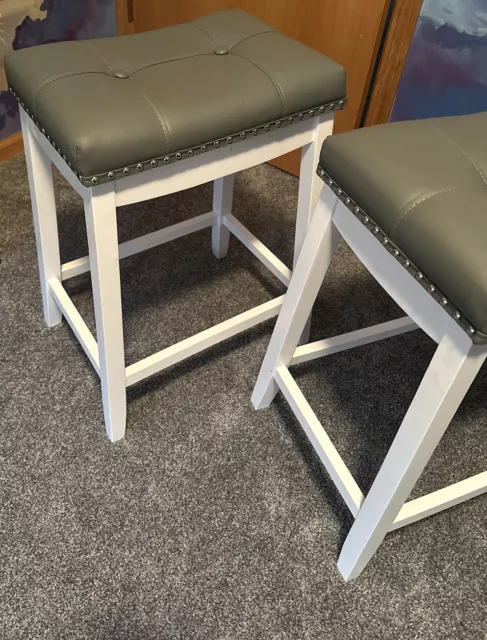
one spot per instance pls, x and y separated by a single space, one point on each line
110 104
424 183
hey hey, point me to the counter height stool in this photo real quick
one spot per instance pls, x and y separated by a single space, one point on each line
131 118
411 201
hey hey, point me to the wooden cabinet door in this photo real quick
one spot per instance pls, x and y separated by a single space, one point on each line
349 31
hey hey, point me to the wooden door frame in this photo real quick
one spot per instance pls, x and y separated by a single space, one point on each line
391 60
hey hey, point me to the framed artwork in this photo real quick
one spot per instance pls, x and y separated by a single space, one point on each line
446 68
26 23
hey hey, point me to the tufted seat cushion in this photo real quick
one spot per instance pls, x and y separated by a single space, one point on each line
423 184
157 97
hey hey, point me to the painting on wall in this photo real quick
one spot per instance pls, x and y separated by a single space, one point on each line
25 23
446 67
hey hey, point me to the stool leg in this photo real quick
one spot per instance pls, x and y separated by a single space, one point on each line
310 186
222 205
448 378
39 169
101 226
305 283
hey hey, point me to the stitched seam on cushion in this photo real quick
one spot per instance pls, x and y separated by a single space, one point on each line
474 164
431 195
275 82
162 120
261 33
77 158
154 63
204 31
97 51
58 77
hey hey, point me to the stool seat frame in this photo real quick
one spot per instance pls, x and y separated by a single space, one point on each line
106 353
452 370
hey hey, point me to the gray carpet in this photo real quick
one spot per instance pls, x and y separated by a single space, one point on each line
211 520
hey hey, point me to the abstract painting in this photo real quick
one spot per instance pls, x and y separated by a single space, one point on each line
446 67
25 23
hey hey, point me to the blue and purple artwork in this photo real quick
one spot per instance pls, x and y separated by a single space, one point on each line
25 23
446 68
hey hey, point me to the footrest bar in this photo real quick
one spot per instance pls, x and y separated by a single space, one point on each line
324 447
352 339
259 249
189 347
150 240
76 322
442 499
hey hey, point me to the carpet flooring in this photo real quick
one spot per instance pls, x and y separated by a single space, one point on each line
210 520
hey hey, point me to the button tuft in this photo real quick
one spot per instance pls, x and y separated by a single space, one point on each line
121 73
221 50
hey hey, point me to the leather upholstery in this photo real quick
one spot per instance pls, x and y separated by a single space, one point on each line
424 184
113 103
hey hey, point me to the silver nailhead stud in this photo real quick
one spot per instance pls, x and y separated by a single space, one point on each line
267 127
419 275
229 140
341 103
357 210
126 171
178 156
300 117
366 219
330 182
431 288
216 144
203 148
339 191
64 157
396 252
347 200
322 172
290 119
111 175
69 165
457 315
332 106
406 263
444 301
385 240
278 123
375 230
190 152
311 112
167 160
153 163
43 130
242 135
254 132
94 180
471 330
322 109
140 167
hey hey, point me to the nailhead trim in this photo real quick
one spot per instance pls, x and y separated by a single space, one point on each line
388 244
88 181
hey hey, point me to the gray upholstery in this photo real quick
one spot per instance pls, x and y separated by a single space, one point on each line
159 96
424 185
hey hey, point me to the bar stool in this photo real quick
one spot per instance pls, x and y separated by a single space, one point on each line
137 117
410 199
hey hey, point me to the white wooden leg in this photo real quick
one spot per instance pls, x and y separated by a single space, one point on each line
101 226
222 205
305 283
448 378
39 169
310 185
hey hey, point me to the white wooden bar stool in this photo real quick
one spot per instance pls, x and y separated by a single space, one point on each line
411 201
137 117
